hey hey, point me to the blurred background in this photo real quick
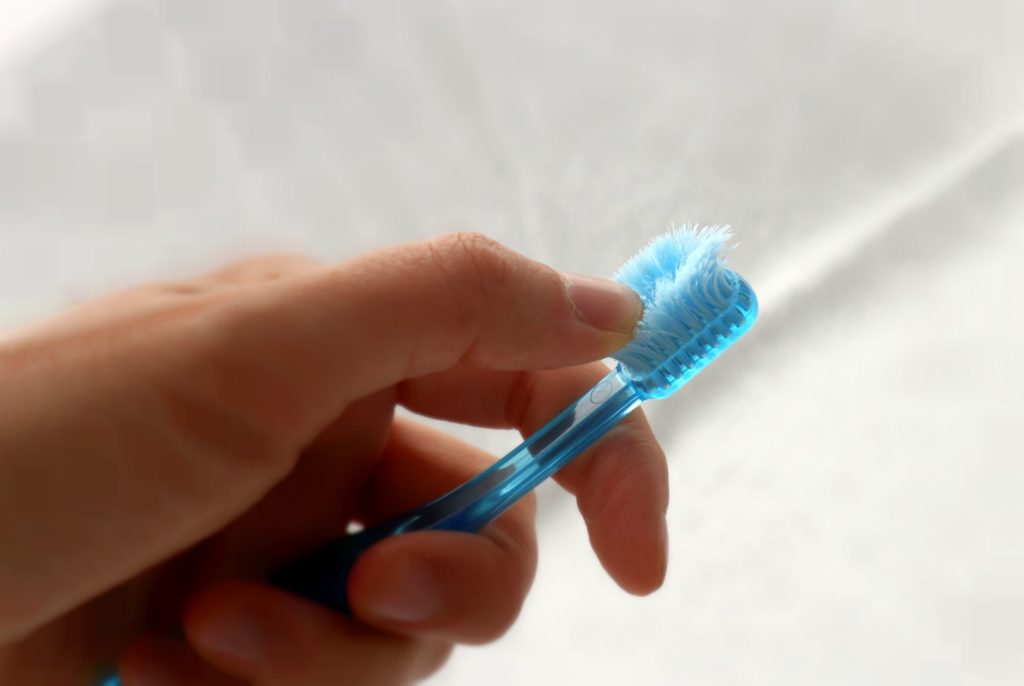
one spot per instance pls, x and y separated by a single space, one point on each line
847 483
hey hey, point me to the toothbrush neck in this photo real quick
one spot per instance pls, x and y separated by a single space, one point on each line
480 500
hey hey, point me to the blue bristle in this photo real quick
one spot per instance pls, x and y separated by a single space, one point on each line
694 307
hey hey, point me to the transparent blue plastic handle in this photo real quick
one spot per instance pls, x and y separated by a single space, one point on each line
322 576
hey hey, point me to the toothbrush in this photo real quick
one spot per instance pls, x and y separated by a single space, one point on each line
694 308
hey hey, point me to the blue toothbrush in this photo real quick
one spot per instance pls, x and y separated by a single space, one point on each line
694 308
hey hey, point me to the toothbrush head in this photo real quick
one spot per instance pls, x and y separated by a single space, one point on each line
694 308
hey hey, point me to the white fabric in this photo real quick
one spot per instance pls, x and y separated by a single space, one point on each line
847 482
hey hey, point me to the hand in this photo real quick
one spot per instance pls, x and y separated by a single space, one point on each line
163 449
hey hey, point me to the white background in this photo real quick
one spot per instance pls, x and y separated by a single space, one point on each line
848 485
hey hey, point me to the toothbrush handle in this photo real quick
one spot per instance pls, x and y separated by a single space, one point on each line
322 575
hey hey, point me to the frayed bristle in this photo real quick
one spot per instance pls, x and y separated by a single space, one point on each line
694 307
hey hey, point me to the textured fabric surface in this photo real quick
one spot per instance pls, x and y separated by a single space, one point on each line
846 482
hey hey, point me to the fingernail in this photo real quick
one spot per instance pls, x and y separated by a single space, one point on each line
409 593
236 636
604 304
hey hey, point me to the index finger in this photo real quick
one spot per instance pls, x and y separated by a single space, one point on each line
321 340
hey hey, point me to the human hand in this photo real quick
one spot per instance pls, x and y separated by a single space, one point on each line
163 449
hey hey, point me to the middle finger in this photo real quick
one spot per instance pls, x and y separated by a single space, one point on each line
620 483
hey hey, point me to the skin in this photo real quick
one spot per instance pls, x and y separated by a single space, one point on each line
162 449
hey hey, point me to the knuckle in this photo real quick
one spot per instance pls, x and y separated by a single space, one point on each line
177 288
265 267
469 241
244 431
473 260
